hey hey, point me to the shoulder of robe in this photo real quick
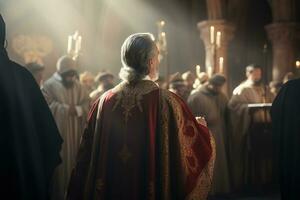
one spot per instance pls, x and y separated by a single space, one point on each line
291 89
170 98
241 89
22 71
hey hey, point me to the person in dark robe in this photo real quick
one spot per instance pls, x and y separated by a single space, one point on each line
178 87
37 71
210 102
29 139
142 142
105 81
285 114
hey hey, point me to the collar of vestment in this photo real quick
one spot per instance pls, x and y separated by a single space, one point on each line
139 87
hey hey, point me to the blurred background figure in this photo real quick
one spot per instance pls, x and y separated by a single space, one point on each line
104 81
189 79
285 117
201 79
209 101
29 140
251 91
69 104
177 86
288 76
87 81
275 87
37 72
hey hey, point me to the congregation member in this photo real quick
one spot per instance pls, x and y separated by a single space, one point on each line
210 102
104 81
250 91
87 81
286 129
69 104
189 80
29 138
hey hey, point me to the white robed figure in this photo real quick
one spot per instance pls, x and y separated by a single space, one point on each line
69 104
251 91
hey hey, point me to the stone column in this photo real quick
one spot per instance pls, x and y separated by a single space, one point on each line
212 52
283 36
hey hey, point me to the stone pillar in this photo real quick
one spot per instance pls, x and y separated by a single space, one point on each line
212 53
283 36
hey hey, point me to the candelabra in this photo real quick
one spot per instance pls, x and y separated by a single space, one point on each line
74 45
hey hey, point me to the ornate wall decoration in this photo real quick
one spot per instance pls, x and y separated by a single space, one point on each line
32 48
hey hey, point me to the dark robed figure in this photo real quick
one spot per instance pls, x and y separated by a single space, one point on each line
285 115
29 139
142 142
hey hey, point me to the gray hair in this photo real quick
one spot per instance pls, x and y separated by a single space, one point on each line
136 51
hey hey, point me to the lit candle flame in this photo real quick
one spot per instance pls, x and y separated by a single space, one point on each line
218 41
212 34
198 69
221 65
298 64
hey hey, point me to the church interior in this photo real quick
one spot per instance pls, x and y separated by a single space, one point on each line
197 38
254 32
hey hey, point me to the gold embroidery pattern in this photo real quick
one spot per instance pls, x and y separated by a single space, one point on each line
186 141
128 97
165 146
204 181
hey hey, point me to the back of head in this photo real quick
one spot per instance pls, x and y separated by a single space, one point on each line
203 77
250 68
2 31
136 51
65 64
86 76
188 75
217 80
103 75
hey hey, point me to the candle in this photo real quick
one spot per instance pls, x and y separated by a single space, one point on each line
218 40
69 44
210 71
78 44
212 34
298 64
221 66
164 40
162 23
198 69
